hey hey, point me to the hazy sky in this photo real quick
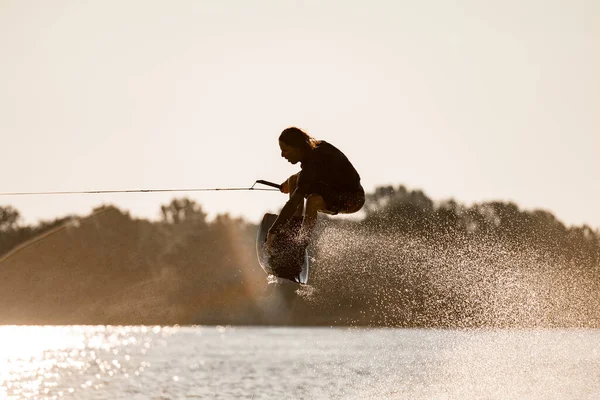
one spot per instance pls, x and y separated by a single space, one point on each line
475 100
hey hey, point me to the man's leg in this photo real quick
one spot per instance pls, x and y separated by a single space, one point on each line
314 204
292 184
287 256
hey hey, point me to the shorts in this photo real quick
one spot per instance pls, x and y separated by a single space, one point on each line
344 202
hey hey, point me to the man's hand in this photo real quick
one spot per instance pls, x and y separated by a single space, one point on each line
285 186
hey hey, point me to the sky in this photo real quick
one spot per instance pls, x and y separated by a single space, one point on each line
471 100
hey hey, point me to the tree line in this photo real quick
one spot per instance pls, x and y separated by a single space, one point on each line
408 261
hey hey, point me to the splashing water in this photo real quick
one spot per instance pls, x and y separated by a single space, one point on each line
393 279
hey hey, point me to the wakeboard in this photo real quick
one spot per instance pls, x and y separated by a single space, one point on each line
288 264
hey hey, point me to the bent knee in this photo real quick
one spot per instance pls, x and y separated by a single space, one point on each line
316 202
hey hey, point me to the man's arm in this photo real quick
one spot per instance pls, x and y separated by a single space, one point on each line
287 211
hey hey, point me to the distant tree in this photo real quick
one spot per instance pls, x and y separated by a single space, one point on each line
9 218
402 209
448 216
183 210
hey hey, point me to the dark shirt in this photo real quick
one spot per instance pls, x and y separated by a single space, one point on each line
323 168
326 165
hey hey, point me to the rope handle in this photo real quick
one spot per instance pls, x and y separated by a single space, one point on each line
267 183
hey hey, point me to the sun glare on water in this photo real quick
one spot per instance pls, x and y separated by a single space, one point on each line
33 354
54 362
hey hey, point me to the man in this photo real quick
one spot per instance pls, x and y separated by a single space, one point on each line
327 181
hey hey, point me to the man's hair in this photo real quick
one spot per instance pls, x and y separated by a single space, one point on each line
296 137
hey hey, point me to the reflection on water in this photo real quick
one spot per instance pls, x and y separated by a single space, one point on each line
96 362
55 362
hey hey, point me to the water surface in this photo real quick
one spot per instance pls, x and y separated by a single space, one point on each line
95 362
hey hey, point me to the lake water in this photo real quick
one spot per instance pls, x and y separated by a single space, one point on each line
96 362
